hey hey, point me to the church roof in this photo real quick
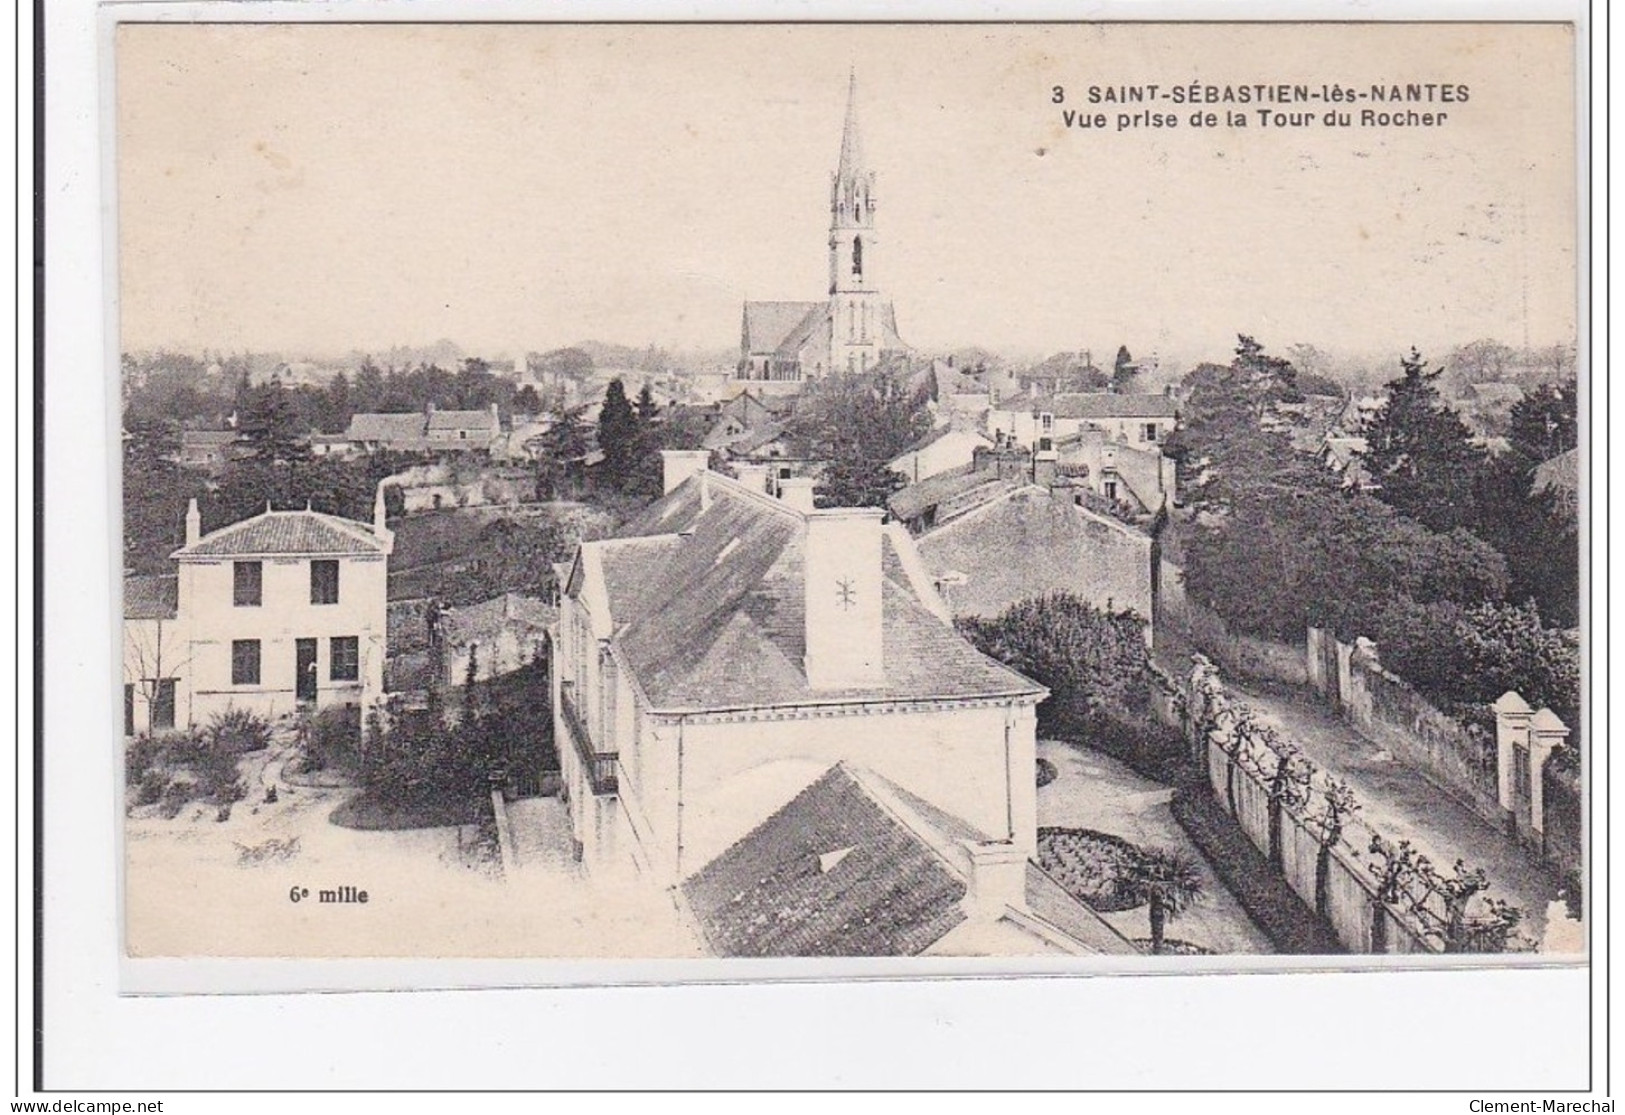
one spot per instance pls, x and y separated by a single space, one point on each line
769 324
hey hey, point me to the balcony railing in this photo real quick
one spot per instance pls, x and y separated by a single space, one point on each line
602 767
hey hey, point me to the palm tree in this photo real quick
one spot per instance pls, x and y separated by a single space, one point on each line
1166 879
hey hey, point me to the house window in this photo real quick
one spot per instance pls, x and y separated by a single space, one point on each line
1045 444
163 704
1046 422
462 435
246 583
129 710
1111 489
324 582
1149 433
245 662
344 658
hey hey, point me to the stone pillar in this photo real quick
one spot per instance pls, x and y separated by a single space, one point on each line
1512 717
1547 731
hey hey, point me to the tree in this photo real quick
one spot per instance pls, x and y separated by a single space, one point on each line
618 435
559 451
1124 371
1168 880
648 409
1093 661
1421 454
1232 444
1545 422
855 424
269 426
526 400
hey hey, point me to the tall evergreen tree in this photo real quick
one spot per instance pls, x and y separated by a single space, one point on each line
1124 370
648 409
269 426
619 436
1421 454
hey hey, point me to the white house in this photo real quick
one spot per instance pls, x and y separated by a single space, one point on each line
732 656
283 609
938 452
1036 424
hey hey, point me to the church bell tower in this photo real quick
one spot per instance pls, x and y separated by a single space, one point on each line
854 301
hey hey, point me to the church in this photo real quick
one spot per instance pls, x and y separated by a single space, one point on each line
786 343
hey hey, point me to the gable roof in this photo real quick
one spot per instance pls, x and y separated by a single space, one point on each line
386 427
288 533
147 597
1030 542
707 608
1103 404
832 873
207 439
769 324
916 499
463 420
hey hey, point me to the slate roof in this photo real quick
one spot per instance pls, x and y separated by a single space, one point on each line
150 597
287 533
914 500
708 609
482 420
1102 404
386 427
780 892
769 324
207 439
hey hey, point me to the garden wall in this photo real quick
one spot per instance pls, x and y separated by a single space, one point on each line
1389 712
1239 654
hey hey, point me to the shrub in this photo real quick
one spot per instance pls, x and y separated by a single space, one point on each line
139 756
176 795
1046 773
1093 661
151 787
332 739
239 731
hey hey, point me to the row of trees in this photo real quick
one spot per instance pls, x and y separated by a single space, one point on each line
1464 574
179 389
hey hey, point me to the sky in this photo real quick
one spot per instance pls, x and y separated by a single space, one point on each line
321 189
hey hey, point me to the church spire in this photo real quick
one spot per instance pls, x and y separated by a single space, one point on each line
852 164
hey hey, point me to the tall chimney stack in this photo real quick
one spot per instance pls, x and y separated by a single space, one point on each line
843 586
194 523
753 477
797 492
677 465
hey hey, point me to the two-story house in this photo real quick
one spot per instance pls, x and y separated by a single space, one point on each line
1143 421
283 609
734 663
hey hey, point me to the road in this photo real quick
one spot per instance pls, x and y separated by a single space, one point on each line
1399 802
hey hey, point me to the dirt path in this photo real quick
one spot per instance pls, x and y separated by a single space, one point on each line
1401 804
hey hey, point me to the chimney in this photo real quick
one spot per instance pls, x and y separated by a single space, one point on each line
677 465
797 492
753 477
843 586
194 523
998 880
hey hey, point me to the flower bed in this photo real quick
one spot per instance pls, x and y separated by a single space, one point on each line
1089 865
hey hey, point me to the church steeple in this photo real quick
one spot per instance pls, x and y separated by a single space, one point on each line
855 312
851 201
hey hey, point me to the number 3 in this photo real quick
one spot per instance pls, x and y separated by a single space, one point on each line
1057 95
